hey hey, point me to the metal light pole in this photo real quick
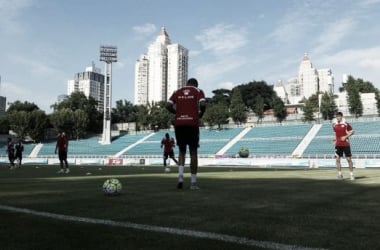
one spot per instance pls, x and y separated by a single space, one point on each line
108 54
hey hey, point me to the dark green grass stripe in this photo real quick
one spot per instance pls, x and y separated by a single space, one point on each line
176 231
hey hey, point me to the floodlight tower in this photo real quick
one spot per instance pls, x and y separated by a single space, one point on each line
108 54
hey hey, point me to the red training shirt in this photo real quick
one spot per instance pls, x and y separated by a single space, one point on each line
340 130
186 101
168 144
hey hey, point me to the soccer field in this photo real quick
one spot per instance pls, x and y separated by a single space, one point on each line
236 208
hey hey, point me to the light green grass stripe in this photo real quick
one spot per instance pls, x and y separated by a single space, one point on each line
176 231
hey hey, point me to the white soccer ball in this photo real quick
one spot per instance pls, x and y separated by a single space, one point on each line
112 187
167 170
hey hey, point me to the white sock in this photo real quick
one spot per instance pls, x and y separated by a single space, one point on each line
339 173
180 173
351 173
193 178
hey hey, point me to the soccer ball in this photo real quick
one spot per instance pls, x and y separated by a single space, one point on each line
244 152
167 170
112 187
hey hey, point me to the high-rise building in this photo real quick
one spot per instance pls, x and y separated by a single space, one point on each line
91 83
178 58
309 81
307 78
161 71
141 80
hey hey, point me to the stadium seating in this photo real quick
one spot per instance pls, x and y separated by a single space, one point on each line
273 140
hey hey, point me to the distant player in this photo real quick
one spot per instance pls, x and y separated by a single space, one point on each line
62 148
343 131
168 144
19 149
11 153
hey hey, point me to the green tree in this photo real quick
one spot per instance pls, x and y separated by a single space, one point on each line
22 106
63 120
308 111
258 109
221 96
237 107
279 109
37 124
216 114
26 118
377 97
4 125
159 116
142 117
355 105
19 122
77 100
124 111
328 106
251 91
80 121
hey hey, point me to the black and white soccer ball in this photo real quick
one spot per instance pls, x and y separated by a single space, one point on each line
112 187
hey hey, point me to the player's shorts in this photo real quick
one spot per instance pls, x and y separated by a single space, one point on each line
169 154
339 150
62 155
18 156
187 136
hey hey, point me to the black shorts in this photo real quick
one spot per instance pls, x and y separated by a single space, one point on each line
187 136
62 155
169 154
339 150
18 156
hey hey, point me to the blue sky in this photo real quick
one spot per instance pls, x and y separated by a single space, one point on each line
43 43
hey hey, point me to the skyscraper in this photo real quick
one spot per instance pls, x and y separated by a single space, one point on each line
161 71
309 81
91 83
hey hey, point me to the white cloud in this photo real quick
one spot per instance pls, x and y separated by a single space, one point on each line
334 34
145 29
216 69
361 63
222 39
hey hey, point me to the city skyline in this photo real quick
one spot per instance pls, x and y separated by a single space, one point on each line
44 43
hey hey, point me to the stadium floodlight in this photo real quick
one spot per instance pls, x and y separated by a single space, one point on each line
108 54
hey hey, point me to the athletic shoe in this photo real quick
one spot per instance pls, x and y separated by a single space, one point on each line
352 178
180 185
194 186
340 177
61 171
67 170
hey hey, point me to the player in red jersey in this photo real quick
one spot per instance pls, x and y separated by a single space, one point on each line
188 104
168 144
343 131
62 148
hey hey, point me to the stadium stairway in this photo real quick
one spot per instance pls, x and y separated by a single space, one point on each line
36 150
233 141
306 140
120 153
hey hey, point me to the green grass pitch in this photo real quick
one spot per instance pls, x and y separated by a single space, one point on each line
305 208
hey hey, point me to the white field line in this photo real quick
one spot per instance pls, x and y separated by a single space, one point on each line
158 229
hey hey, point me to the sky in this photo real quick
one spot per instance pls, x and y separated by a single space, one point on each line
43 43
